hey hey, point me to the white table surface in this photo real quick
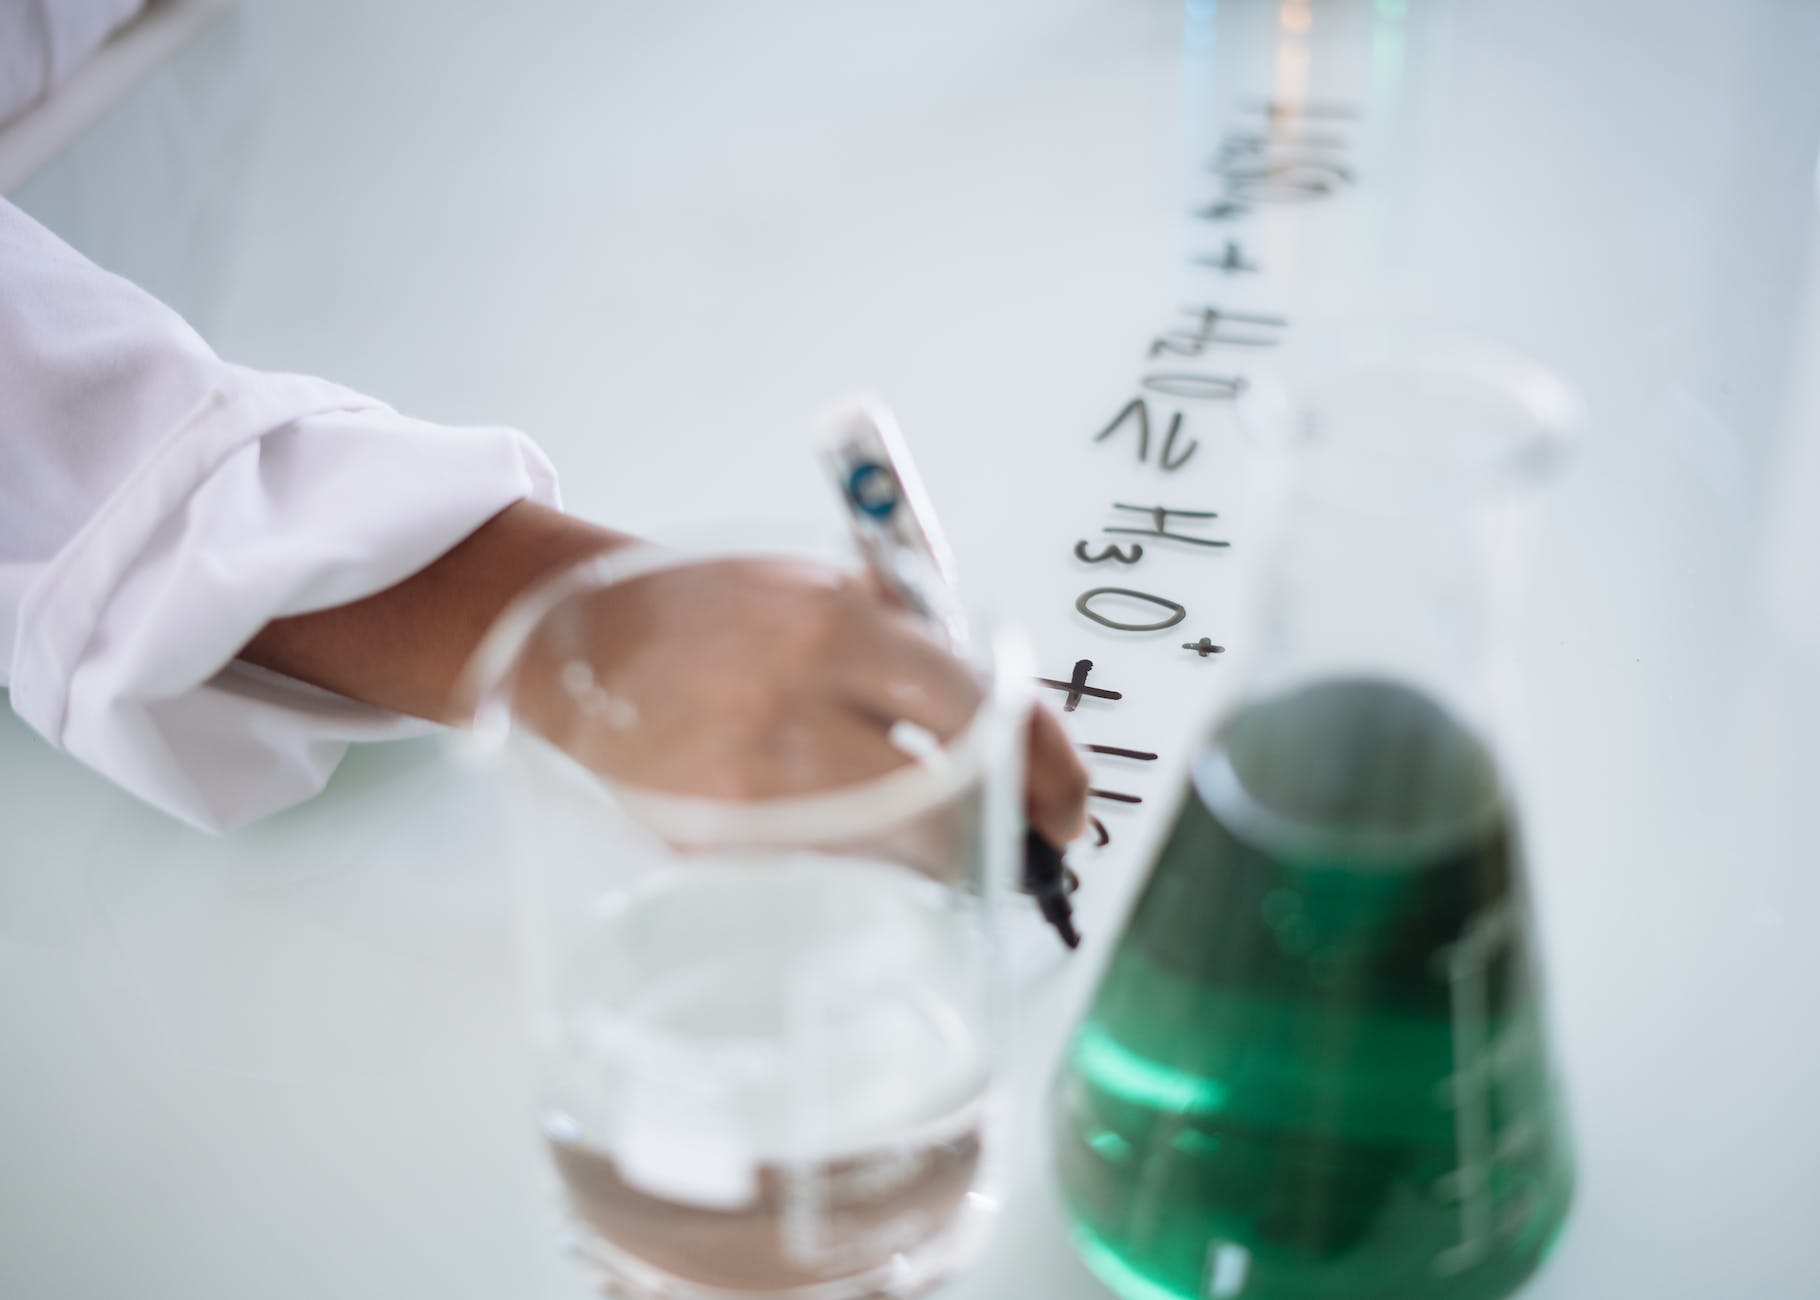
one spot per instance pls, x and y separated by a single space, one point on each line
284 1064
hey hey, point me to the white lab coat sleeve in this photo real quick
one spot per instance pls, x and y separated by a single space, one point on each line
159 506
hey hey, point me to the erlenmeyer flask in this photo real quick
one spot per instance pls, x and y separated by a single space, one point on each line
1316 1065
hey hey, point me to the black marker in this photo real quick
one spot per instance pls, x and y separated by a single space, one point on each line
904 547
1046 880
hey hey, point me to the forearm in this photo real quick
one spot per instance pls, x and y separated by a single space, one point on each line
404 648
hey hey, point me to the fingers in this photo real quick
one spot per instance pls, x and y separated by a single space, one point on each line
829 748
903 672
1055 782
744 680
895 669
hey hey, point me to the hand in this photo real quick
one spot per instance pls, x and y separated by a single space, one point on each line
755 662
761 678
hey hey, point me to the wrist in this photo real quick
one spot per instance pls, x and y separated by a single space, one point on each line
404 648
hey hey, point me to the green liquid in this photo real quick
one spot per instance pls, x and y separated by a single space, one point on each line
1316 1066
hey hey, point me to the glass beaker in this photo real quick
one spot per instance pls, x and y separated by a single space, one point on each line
763 1027
1316 1065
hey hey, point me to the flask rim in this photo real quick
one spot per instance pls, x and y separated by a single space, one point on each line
1289 408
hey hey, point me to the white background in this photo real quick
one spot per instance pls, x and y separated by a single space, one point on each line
662 238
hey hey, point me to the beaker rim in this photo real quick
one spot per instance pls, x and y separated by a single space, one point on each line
996 655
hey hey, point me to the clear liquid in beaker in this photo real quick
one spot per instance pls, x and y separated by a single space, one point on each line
763 1075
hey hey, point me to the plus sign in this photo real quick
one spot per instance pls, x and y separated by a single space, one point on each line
1204 647
1233 259
1076 686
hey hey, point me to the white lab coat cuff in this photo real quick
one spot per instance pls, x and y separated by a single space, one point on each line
276 495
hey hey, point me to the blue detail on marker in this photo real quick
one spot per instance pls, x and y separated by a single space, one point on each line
873 489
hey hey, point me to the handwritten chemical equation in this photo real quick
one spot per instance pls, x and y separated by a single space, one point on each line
1278 153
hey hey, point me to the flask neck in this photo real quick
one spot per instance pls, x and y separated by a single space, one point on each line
1398 589
1396 488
